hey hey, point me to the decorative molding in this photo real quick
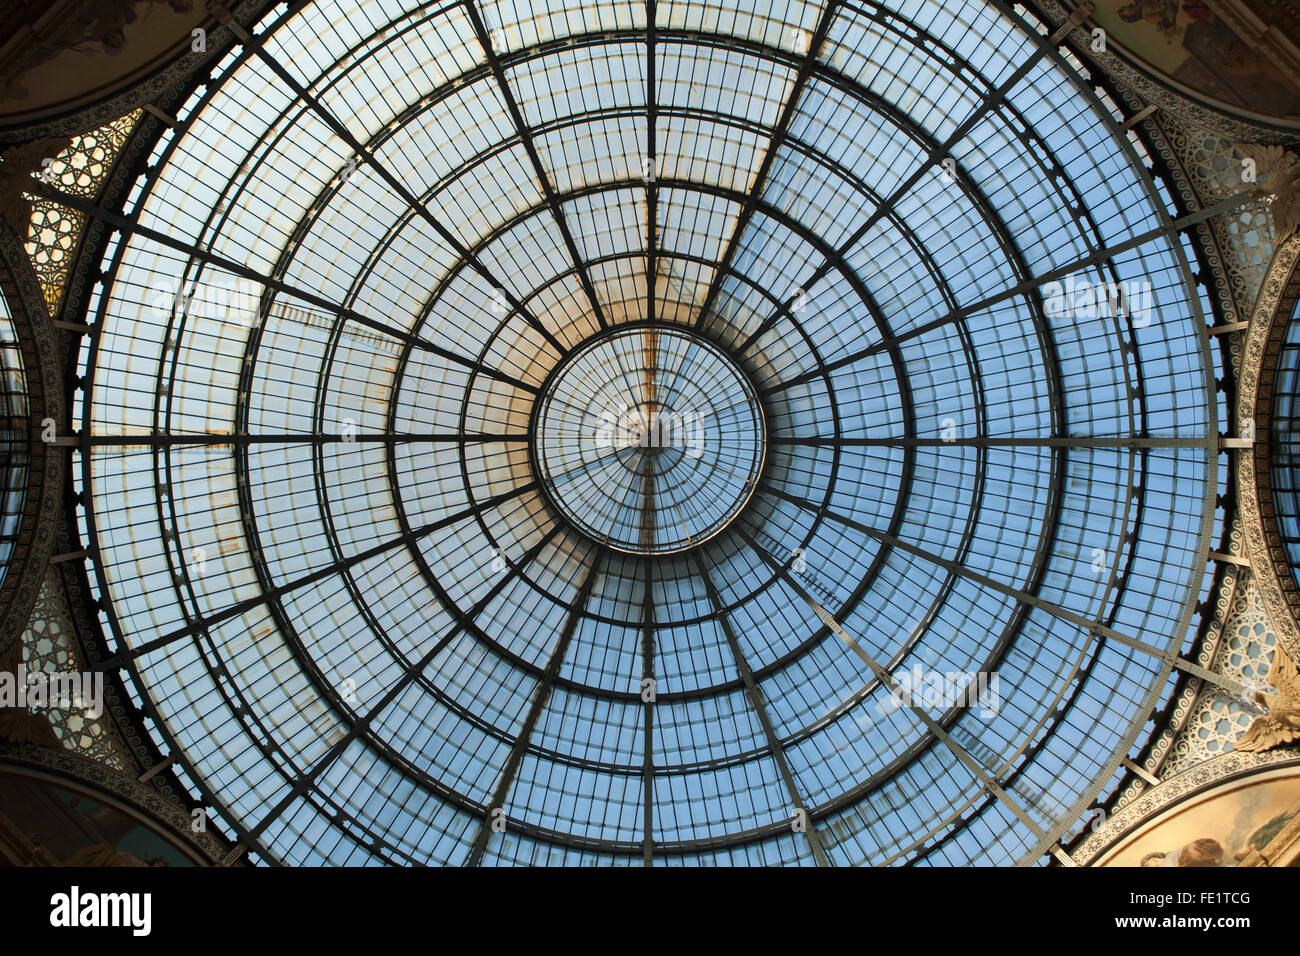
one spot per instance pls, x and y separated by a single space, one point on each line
1169 745
141 798
1272 575
1244 654
54 231
1192 109
43 371
146 90
1202 776
50 645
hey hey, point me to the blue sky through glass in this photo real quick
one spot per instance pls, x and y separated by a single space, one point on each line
969 479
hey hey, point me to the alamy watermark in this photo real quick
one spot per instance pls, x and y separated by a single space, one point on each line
938 689
224 299
1084 299
59 690
75 909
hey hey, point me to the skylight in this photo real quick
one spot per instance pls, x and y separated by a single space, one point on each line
904 245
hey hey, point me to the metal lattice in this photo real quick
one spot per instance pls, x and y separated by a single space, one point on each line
327 505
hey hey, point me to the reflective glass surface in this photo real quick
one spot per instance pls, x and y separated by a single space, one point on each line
332 538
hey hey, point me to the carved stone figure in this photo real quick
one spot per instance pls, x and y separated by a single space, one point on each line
19 162
1281 724
1282 189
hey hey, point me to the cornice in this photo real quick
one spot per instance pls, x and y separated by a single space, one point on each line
1186 106
43 372
1201 777
141 798
148 89
1254 401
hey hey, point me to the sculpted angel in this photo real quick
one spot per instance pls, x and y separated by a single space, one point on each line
1281 725
1281 171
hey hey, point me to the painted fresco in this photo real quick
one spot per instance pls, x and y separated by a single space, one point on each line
1218 828
1188 43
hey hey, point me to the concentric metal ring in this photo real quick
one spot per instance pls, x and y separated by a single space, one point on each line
650 440
392 576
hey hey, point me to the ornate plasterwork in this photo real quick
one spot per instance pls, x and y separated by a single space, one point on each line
1279 182
55 230
145 800
50 645
1205 719
44 380
1205 167
1200 777
1219 717
148 90
1191 110
1254 397
1183 740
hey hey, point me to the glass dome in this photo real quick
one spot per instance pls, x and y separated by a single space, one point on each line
650 439
939 401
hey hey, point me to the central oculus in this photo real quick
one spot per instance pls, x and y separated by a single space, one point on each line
649 439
